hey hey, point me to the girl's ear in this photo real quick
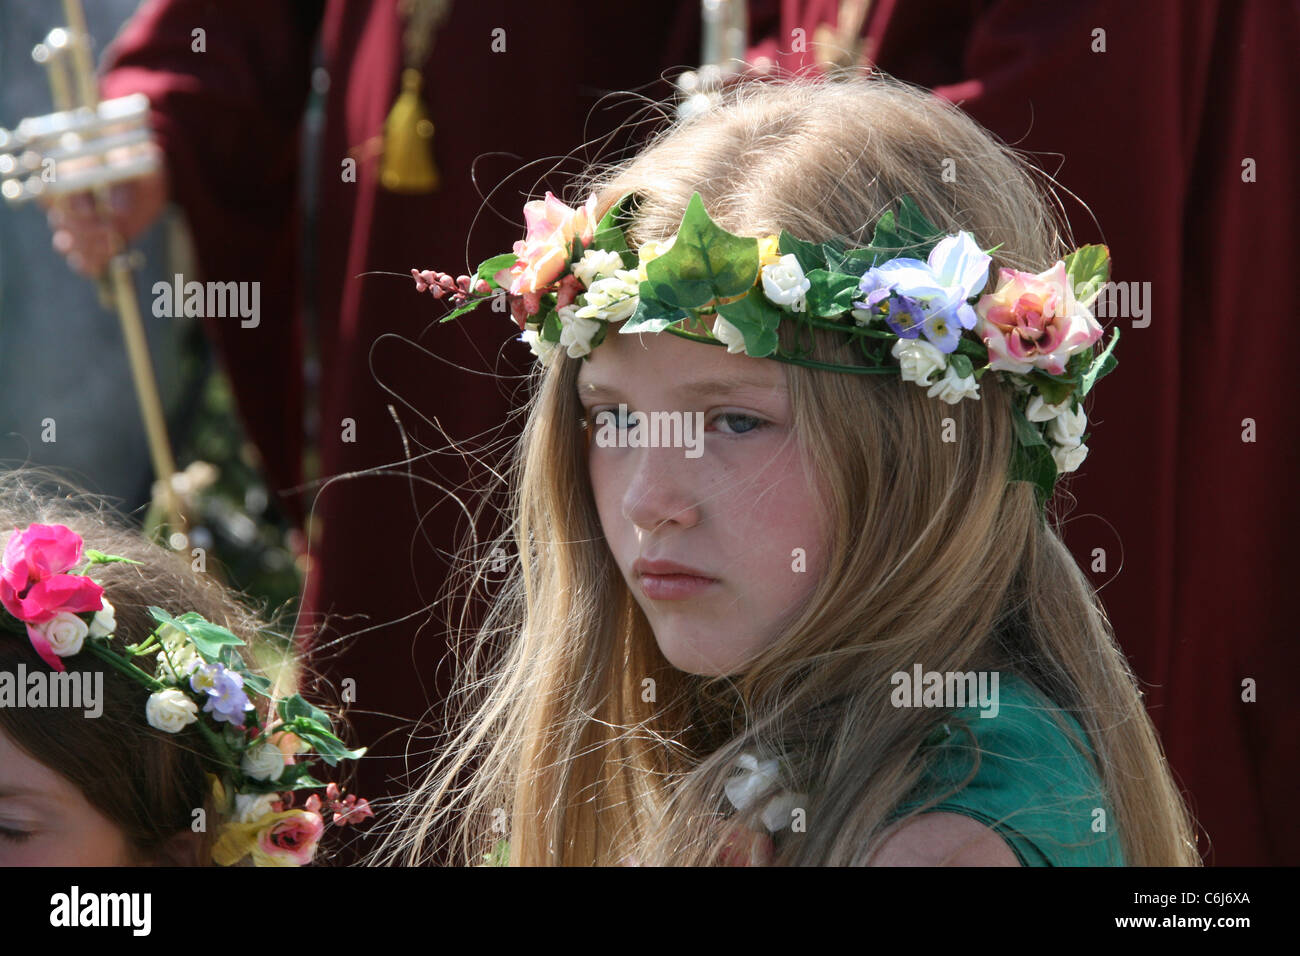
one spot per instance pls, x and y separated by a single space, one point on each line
185 848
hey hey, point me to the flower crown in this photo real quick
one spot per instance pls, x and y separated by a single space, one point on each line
911 301
64 612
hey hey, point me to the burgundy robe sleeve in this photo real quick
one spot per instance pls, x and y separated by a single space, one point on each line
226 103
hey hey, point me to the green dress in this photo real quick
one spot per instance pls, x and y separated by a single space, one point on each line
1033 785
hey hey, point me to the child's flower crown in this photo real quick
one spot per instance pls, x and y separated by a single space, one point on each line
911 301
197 672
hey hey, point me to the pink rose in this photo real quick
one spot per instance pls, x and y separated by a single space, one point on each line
291 840
544 252
33 588
1034 321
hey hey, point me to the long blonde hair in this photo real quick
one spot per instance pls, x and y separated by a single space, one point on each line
935 557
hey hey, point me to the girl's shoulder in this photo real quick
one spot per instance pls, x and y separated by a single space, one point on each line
1026 769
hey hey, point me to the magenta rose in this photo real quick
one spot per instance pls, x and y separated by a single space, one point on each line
33 588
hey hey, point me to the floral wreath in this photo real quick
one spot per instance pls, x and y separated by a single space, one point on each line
64 612
911 300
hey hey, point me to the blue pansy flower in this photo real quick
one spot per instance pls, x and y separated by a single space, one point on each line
915 297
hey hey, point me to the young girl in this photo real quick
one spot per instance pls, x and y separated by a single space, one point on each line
836 626
136 724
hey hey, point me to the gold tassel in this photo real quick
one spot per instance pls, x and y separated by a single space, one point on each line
407 165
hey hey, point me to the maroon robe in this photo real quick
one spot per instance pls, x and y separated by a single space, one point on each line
229 122
1152 135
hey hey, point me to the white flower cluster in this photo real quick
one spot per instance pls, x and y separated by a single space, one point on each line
1065 430
919 361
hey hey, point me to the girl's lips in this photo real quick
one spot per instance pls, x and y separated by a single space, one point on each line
674 587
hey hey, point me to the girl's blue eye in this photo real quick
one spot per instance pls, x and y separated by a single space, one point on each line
743 423
17 836
754 425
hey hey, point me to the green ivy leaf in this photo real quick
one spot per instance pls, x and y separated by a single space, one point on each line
705 263
1088 268
961 365
830 293
610 235
757 320
295 707
551 326
1102 365
1053 388
258 684
208 638
810 255
908 233
651 315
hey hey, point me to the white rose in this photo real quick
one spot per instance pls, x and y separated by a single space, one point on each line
65 633
952 389
251 807
1067 428
597 264
918 359
170 710
1069 457
263 762
104 622
1039 411
729 335
784 282
613 299
544 350
576 332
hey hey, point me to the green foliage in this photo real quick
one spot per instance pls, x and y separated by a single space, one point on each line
208 638
704 264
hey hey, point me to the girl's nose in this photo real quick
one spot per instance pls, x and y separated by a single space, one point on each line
663 486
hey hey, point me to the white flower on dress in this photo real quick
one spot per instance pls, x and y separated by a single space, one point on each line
755 779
